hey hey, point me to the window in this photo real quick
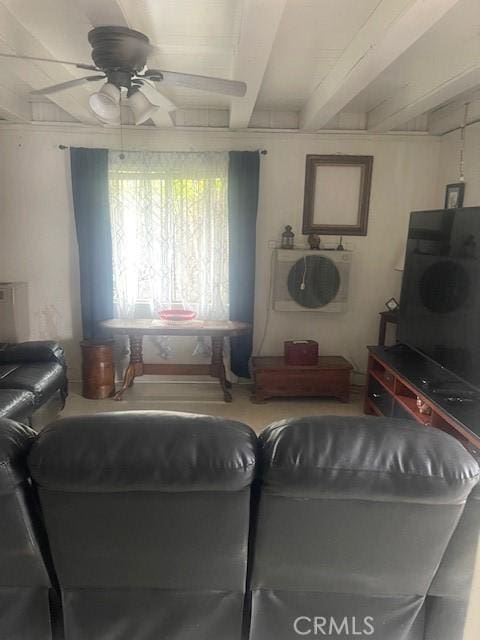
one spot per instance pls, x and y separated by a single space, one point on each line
169 223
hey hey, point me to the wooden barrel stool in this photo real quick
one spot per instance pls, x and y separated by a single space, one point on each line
98 369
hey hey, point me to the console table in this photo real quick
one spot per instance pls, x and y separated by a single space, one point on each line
397 375
273 377
136 329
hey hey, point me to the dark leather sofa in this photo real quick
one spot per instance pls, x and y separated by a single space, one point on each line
25 583
369 519
168 526
33 375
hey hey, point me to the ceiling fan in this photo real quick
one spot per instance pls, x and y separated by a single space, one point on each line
120 57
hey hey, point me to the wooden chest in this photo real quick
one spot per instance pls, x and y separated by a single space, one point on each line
329 377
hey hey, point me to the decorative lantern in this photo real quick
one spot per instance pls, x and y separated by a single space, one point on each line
287 238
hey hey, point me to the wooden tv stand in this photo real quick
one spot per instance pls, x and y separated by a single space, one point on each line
397 375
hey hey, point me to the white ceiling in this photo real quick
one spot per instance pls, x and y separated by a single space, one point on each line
310 39
379 65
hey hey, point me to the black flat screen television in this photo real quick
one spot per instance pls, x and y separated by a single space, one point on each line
440 299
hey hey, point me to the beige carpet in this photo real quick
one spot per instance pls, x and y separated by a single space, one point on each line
206 397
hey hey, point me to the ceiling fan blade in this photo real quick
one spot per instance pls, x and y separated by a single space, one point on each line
204 83
150 91
79 65
65 85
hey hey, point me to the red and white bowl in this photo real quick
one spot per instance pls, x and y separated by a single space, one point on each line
177 315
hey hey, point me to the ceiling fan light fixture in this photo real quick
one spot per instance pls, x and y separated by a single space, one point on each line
105 103
120 55
141 107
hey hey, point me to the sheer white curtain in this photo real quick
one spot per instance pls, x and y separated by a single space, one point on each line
169 232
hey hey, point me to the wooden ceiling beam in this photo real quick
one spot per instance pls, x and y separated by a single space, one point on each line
260 22
451 116
413 101
13 107
393 27
16 38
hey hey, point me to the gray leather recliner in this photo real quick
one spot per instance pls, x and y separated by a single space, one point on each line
449 594
356 516
148 516
25 587
360 527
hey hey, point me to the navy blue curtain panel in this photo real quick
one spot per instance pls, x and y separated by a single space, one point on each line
243 179
92 220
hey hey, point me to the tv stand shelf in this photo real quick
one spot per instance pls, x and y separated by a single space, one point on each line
397 376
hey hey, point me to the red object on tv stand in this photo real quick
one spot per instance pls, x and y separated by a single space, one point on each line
301 352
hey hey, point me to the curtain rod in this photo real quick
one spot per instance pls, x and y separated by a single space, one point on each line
263 152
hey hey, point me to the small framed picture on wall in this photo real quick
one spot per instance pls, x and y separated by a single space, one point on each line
454 195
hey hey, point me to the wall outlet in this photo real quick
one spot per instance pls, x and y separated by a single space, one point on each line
272 244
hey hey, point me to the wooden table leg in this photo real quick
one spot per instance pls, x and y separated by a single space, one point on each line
135 366
217 366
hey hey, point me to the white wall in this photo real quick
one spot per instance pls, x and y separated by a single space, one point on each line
449 165
37 237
